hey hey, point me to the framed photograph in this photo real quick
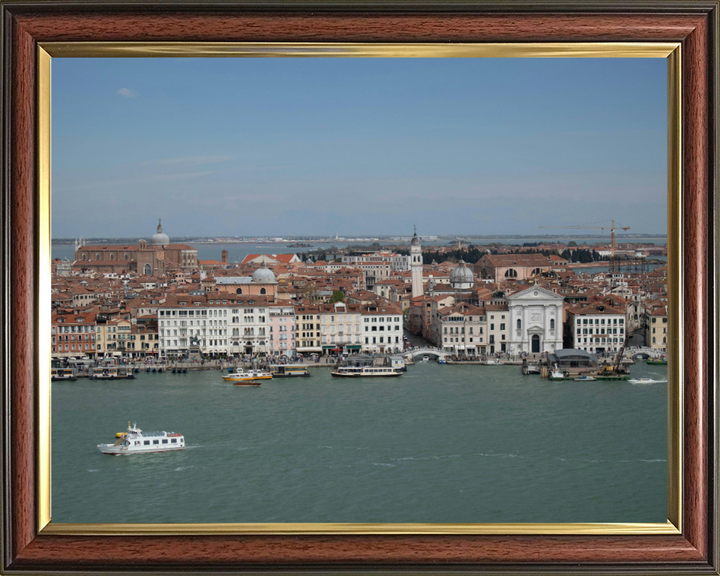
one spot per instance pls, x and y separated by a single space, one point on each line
683 34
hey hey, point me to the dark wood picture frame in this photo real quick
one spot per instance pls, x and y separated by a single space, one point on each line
25 24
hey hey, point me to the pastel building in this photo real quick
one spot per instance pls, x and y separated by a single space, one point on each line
282 329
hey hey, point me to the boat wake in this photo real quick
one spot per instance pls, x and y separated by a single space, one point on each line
646 381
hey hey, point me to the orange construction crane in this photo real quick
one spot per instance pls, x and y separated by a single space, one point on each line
612 237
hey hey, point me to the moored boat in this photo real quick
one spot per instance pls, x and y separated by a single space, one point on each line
135 441
62 374
556 375
661 360
366 372
289 370
584 378
111 373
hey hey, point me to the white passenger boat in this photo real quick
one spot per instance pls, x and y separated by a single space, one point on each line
248 378
366 372
135 441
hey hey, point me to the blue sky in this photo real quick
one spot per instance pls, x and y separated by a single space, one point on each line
304 146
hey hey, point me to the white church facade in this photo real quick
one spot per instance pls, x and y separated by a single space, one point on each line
536 317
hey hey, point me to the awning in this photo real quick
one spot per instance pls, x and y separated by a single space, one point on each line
329 347
353 347
117 353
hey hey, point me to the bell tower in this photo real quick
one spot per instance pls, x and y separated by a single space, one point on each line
416 265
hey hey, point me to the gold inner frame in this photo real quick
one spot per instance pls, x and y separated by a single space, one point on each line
668 50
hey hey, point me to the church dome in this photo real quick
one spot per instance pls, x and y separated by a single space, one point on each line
159 238
263 275
462 277
415 240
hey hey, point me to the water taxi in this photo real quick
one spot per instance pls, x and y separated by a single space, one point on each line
289 370
249 378
111 373
365 372
135 441
62 374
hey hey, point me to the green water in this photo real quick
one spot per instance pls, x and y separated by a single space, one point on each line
438 444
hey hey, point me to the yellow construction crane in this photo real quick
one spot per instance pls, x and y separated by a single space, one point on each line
612 237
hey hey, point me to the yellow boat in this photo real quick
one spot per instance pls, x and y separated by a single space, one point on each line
248 377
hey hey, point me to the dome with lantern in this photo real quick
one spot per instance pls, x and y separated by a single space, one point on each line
159 238
462 278
263 275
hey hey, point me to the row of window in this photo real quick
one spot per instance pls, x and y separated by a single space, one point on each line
600 331
462 329
382 340
164 441
462 339
601 321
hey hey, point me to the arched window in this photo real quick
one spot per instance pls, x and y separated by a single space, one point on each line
112 256
511 273
519 324
552 324
97 255
84 256
127 256
238 291
263 291
148 270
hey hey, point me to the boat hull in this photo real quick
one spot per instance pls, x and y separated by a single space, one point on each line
118 451
341 375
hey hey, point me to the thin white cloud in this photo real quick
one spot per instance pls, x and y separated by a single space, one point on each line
127 93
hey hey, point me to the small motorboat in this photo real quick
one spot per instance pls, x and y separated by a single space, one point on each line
584 378
642 381
425 358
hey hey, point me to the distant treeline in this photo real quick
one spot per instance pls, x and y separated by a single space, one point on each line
472 254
